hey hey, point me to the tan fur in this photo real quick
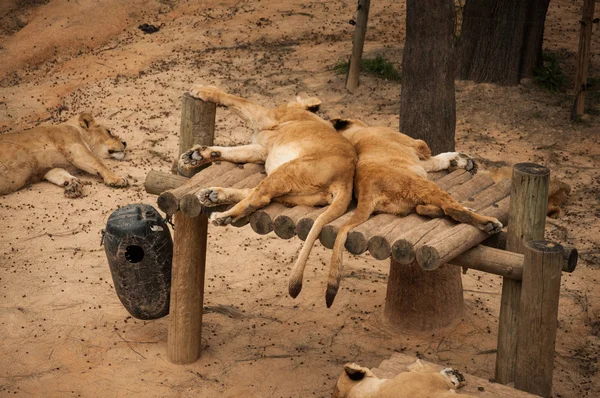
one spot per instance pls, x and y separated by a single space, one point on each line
391 177
306 160
558 190
43 152
419 382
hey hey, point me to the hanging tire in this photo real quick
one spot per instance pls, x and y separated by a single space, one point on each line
139 250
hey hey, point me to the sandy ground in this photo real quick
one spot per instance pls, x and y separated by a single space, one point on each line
64 331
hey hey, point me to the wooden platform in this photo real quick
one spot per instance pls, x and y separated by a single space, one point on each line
475 385
432 242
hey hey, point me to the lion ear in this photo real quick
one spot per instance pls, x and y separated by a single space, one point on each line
340 124
86 120
354 371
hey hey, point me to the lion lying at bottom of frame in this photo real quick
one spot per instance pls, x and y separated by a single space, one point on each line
44 151
420 381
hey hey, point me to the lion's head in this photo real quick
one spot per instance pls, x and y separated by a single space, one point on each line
100 139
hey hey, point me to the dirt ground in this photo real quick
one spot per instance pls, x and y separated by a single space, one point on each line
63 330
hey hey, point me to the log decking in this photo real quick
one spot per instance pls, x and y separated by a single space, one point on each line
431 242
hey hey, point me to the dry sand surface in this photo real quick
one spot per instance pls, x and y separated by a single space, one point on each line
63 330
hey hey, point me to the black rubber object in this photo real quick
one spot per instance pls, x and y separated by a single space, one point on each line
139 250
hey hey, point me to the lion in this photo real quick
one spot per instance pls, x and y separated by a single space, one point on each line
43 152
391 177
420 381
307 163
558 190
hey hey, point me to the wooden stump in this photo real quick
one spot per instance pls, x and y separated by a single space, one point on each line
187 288
197 126
419 300
538 313
527 220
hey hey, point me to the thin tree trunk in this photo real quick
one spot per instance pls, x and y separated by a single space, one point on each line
427 103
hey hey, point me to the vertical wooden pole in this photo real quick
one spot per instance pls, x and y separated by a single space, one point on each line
526 221
539 312
583 57
187 288
189 247
358 43
197 125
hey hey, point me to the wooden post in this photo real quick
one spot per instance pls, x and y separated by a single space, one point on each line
409 305
526 222
358 43
197 125
189 246
538 311
187 288
583 57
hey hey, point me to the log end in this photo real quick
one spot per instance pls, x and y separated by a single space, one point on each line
571 257
261 222
532 169
190 205
303 227
168 203
356 243
284 227
403 252
327 236
428 258
379 248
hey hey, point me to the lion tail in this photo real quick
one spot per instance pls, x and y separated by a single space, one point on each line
337 208
363 211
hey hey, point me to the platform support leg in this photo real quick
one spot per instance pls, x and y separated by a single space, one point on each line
189 247
526 222
539 312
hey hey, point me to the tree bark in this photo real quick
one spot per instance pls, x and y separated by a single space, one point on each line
427 103
501 40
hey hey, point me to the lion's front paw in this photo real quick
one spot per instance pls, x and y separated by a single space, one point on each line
210 197
219 220
117 182
463 161
493 226
73 188
205 93
197 156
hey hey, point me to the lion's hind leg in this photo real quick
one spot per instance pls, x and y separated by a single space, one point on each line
61 177
255 115
431 196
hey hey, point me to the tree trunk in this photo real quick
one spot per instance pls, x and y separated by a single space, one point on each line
427 103
501 40
420 300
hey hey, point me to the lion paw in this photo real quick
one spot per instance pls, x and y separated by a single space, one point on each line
491 227
205 93
219 220
117 182
210 197
197 156
73 188
463 161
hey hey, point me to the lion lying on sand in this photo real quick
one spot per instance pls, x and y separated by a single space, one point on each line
42 153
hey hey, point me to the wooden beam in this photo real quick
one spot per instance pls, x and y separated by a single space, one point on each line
526 222
197 126
538 317
187 289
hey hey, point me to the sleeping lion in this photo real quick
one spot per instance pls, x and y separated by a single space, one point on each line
43 152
